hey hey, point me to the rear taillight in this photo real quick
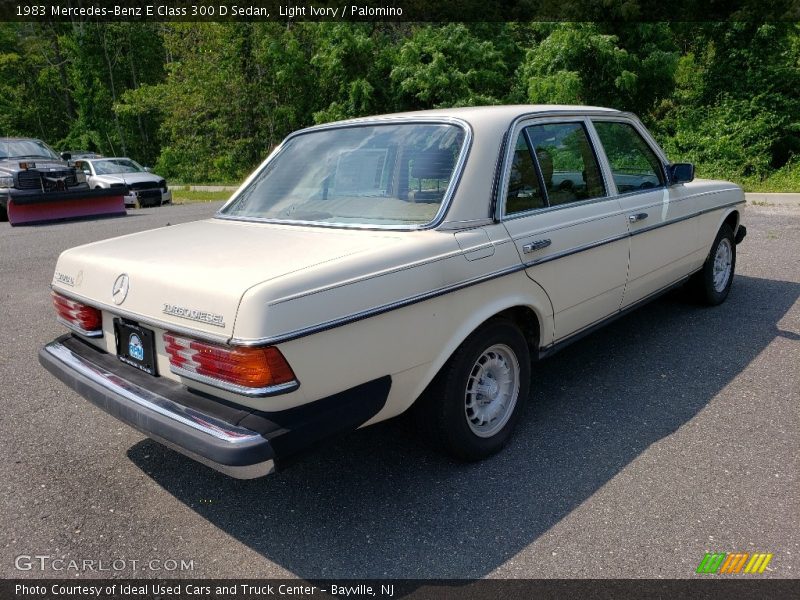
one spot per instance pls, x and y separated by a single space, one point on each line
252 371
86 320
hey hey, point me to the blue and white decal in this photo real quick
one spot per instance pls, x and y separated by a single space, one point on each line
135 348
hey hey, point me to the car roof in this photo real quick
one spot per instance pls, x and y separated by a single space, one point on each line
478 114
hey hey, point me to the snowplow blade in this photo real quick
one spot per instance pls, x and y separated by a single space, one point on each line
58 206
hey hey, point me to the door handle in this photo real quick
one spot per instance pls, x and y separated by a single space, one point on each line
534 246
637 217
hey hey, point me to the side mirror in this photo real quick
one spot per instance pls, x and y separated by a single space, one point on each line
681 173
148 170
66 155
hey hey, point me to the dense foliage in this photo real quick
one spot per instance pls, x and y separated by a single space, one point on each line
207 101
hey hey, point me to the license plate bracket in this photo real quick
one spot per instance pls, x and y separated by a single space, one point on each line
135 345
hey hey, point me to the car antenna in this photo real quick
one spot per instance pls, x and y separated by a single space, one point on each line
111 144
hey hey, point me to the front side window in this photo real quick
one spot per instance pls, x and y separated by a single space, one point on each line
373 175
568 165
633 163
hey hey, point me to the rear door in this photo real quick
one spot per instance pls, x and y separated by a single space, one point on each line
569 232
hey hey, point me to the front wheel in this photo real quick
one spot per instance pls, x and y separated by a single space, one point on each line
475 401
713 282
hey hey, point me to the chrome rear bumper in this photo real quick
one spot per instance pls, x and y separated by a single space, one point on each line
231 449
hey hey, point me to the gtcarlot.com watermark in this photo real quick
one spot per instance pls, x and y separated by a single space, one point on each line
47 563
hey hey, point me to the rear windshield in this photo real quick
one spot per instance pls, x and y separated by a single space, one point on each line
376 175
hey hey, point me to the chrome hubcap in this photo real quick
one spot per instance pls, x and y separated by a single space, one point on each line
722 264
492 390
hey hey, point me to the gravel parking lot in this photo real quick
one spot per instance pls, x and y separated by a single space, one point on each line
673 432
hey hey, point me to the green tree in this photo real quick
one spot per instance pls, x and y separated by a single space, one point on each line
440 66
346 69
580 63
736 111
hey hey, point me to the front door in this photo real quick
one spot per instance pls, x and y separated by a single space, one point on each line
663 234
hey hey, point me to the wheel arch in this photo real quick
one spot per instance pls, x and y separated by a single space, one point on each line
731 217
534 321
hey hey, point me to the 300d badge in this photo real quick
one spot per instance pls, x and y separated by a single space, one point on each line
194 315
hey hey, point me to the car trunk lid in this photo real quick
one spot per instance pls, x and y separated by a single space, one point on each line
194 275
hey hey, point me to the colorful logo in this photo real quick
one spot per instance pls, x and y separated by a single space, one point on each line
734 562
135 348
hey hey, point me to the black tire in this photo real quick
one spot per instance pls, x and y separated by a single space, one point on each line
3 213
442 413
704 287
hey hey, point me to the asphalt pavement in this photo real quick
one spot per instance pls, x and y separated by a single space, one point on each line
671 433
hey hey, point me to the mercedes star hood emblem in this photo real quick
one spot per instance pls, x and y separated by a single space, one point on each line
120 290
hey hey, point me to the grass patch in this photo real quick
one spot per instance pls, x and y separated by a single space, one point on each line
786 180
184 196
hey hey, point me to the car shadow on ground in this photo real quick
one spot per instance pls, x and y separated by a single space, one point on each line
378 503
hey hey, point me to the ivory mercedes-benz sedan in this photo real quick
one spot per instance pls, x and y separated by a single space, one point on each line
420 260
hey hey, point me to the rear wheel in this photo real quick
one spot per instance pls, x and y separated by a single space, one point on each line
713 282
473 404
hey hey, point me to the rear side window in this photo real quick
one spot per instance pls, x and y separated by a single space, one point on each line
633 163
568 165
524 189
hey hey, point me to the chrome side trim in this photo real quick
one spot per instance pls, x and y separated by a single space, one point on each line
263 392
375 274
685 218
636 231
546 209
576 250
675 200
567 225
565 341
71 326
371 312
306 331
150 400
452 186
